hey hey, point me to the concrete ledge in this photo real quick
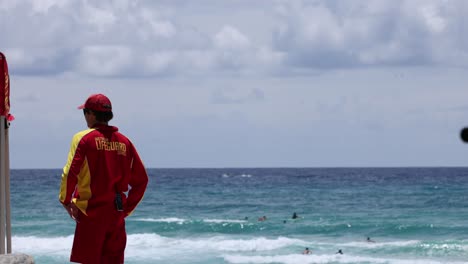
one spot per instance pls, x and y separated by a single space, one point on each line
16 258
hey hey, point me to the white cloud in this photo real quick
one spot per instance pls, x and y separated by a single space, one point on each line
305 35
105 60
100 19
117 38
42 6
7 5
159 28
268 58
202 60
230 38
19 58
432 17
38 61
159 62
341 34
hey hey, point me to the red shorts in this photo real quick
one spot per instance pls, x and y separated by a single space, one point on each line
100 239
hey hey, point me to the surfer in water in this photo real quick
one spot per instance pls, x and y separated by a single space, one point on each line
370 240
306 251
294 216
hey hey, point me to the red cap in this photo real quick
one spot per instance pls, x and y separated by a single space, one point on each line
97 102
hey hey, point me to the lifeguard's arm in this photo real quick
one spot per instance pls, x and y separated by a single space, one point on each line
138 182
71 170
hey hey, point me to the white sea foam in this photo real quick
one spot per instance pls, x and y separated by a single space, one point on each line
306 259
181 221
223 221
42 245
217 243
161 220
148 244
152 247
225 175
381 244
445 246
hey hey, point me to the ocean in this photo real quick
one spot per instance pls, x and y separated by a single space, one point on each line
412 215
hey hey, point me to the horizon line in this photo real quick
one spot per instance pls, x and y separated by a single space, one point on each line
283 167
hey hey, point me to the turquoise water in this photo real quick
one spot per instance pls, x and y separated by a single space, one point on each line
414 215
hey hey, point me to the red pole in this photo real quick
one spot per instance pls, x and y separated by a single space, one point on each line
4 87
5 217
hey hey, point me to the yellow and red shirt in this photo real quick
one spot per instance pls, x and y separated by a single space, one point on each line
102 162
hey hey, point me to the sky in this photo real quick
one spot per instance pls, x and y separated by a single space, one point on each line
241 83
